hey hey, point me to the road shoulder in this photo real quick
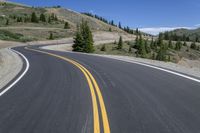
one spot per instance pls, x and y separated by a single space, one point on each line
10 65
194 72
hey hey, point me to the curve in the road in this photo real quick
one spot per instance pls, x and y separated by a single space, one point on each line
93 88
21 76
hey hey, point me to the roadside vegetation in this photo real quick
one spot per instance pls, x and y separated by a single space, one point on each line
155 48
83 40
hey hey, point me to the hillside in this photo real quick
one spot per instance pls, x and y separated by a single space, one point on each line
184 35
16 23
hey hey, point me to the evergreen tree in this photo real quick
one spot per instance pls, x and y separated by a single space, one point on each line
83 41
147 48
142 49
130 49
137 40
49 19
161 55
19 19
169 58
198 48
78 41
193 45
184 44
51 36
55 18
120 43
170 44
34 18
153 56
110 29
160 39
112 23
120 25
103 48
137 31
66 25
197 39
7 22
178 45
42 17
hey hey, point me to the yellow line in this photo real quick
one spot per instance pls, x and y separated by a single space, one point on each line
94 101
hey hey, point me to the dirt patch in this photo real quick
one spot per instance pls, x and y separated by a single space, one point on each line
189 63
10 66
6 44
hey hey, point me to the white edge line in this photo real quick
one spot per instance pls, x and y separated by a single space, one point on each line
155 67
20 77
143 64
168 71
151 66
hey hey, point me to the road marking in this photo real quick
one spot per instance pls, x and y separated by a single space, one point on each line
90 80
20 77
165 70
144 64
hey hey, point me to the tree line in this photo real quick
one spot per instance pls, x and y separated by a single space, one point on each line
36 18
175 37
112 23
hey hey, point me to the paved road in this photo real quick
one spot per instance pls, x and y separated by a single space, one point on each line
54 97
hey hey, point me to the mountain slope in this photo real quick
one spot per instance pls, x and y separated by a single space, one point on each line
185 34
15 16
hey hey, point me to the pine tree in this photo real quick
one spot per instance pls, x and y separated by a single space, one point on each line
110 29
178 45
88 38
120 25
49 19
153 56
198 48
147 48
120 43
34 18
170 44
7 22
193 46
103 48
130 49
55 18
169 58
66 25
51 36
184 44
142 49
83 41
160 39
152 43
161 55
137 31
78 41
42 17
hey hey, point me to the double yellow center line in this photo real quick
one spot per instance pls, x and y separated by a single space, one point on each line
93 87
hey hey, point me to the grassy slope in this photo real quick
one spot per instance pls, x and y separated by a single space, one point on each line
21 31
176 56
193 33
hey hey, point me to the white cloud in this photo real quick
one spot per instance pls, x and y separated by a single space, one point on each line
197 25
157 30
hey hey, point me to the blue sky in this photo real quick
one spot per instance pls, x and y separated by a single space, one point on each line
149 15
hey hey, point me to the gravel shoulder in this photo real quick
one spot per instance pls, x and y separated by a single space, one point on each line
10 65
188 70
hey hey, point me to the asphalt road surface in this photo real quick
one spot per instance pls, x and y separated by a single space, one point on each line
55 96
